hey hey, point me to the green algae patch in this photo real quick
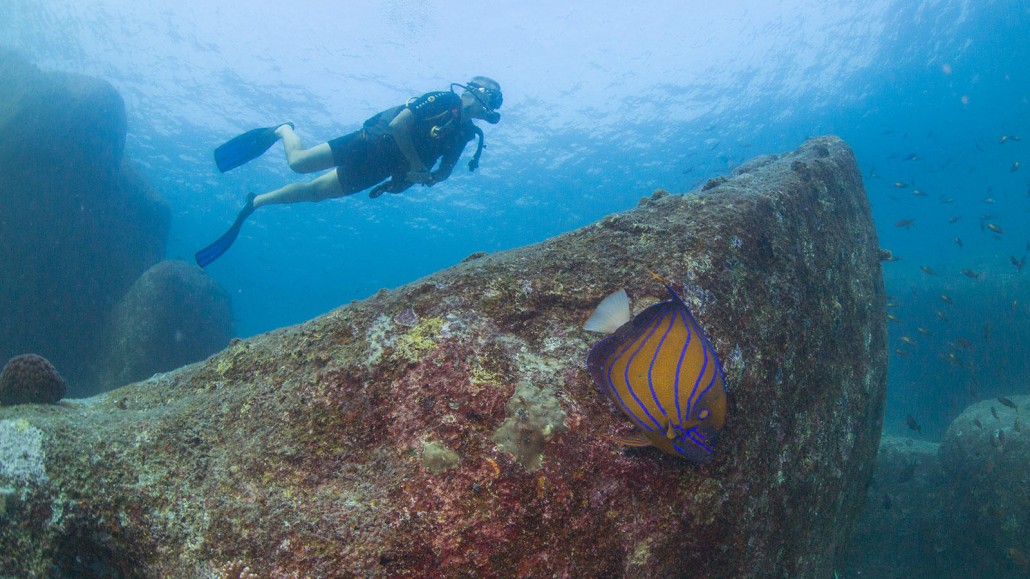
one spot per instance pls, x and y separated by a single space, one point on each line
419 341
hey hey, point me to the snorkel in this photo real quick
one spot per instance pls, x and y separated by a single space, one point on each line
489 98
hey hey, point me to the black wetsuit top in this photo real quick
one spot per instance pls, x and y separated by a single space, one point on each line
370 155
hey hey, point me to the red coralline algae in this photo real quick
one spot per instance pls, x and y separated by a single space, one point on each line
30 379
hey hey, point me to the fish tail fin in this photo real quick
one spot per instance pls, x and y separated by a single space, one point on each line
610 314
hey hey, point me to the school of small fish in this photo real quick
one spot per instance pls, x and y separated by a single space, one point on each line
964 223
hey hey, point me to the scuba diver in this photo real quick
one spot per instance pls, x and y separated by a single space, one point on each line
393 150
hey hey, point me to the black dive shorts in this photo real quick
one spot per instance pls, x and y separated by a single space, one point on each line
363 160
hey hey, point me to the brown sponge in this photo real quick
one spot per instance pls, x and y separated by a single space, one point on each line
30 379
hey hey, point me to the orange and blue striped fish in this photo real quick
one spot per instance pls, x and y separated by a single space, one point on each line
661 370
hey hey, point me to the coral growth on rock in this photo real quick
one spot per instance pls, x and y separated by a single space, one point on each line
30 379
303 452
534 417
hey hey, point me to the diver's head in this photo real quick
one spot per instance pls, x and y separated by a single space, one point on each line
486 92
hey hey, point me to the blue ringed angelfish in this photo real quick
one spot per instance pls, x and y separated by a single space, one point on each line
661 370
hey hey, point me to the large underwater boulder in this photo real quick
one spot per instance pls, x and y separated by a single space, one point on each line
450 427
173 315
955 509
77 225
986 457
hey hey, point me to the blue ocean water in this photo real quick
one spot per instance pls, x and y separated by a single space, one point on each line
602 105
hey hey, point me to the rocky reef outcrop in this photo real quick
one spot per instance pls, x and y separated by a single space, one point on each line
78 225
903 531
955 509
985 455
450 428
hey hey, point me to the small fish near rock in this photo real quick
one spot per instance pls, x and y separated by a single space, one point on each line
1008 402
912 424
661 370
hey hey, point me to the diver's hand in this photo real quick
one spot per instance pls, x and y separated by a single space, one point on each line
421 177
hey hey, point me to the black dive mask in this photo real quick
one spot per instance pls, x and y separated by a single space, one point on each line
491 99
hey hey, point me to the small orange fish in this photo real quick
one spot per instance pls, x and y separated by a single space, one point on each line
995 228
908 340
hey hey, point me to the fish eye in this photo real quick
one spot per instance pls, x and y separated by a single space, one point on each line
703 414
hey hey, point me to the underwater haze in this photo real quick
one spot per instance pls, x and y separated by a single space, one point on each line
603 103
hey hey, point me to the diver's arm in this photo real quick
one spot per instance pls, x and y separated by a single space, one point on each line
446 166
401 127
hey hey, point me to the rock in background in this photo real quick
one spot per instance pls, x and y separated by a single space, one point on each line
986 457
173 315
958 509
903 531
77 224
450 428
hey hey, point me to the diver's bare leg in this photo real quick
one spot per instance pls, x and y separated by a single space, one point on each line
301 160
324 187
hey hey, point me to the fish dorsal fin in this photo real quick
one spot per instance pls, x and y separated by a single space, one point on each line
610 315
635 439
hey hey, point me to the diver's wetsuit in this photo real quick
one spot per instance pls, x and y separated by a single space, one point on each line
370 155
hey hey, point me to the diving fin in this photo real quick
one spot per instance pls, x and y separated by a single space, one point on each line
245 147
223 243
